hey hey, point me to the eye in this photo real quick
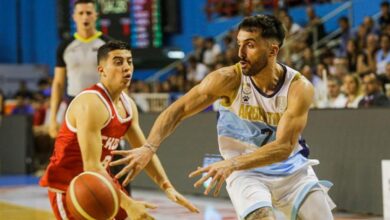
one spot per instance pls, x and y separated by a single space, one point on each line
89 13
118 62
251 45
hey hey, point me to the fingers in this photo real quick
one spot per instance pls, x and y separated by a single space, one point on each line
203 179
198 171
137 170
212 184
120 152
119 162
127 179
149 205
184 202
219 186
125 170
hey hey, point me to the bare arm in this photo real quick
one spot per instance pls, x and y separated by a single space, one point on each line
88 115
56 97
290 127
217 84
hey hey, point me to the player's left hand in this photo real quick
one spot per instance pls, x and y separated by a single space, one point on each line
175 196
219 172
134 160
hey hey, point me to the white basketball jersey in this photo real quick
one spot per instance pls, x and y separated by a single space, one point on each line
250 121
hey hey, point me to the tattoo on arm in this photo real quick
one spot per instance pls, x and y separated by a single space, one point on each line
265 213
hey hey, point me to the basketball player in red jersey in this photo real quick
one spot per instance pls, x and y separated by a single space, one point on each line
95 122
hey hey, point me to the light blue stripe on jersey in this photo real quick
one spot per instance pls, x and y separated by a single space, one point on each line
249 132
230 125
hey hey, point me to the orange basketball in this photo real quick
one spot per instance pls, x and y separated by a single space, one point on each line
91 195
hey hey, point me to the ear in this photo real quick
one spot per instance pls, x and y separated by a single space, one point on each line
101 70
274 50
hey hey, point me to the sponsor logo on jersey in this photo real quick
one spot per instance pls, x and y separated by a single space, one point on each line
110 143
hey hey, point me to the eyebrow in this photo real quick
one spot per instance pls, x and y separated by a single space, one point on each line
118 57
249 39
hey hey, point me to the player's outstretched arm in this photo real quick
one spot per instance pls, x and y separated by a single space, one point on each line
154 169
217 84
290 127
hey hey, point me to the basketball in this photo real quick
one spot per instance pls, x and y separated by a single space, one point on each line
92 196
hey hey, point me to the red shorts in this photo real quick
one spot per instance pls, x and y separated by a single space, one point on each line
61 212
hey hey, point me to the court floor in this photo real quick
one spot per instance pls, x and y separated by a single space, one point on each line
25 200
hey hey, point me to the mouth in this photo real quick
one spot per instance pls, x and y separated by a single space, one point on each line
86 24
127 77
244 64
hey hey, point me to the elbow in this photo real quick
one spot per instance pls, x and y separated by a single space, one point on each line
285 151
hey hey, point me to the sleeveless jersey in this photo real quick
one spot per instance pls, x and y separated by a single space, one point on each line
66 161
250 121
78 55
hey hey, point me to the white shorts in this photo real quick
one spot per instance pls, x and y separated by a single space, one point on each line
250 190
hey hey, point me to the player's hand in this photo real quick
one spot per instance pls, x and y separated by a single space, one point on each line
137 210
53 129
134 160
175 196
219 172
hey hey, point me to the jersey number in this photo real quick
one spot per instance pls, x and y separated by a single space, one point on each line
269 133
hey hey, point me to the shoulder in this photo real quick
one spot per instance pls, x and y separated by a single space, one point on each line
90 103
301 91
65 43
221 80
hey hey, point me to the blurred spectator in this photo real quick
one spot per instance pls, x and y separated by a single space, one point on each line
22 106
196 71
336 99
369 24
211 52
23 90
373 97
315 27
291 27
339 68
384 18
366 59
345 35
352 90
385 80
352 54
319 86
198 46
307 59
361 37
382 57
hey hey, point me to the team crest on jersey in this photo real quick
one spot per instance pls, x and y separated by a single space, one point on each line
245 99
246 88
281 103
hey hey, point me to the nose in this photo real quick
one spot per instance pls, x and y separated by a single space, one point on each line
241 53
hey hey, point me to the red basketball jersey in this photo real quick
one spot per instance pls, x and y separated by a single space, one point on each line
66 161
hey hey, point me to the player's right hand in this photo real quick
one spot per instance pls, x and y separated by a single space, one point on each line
134 160
137 210
53 129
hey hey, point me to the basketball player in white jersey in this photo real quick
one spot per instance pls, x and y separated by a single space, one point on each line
264 110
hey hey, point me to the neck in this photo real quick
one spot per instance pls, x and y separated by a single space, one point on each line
268 78
86 33
112 91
